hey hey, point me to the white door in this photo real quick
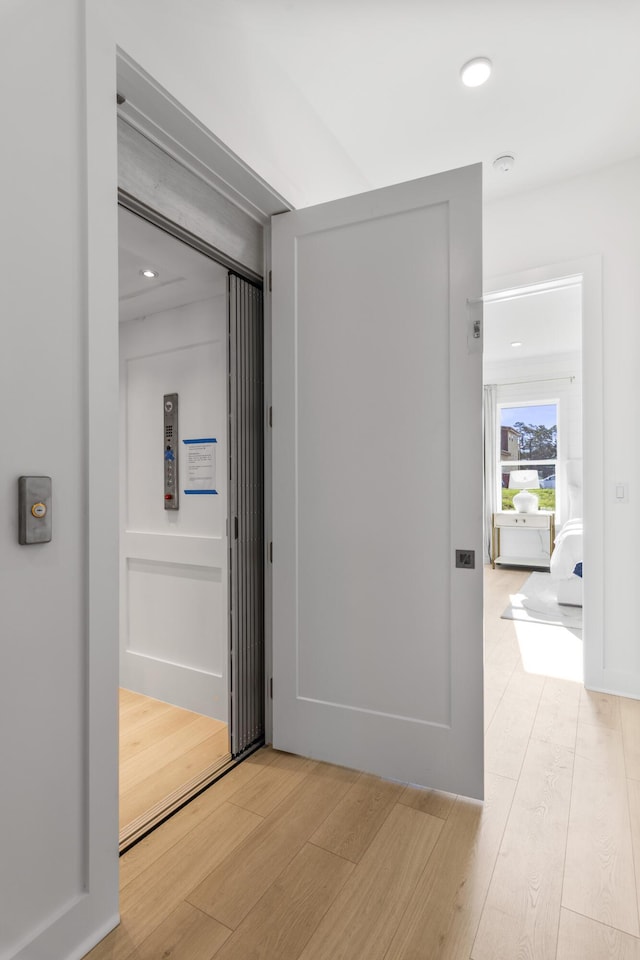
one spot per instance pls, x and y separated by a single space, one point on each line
174 626
377 387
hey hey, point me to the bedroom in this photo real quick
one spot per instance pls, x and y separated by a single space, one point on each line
532 374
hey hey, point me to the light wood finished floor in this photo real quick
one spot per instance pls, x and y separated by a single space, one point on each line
162 748
287 859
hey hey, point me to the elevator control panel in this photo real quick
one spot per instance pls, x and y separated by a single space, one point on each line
34 510
171 498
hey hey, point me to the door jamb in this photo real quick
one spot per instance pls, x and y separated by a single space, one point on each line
589 269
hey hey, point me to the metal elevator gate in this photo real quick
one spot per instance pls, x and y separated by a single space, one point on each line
246 513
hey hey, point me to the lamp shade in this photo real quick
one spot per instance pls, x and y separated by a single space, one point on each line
524 480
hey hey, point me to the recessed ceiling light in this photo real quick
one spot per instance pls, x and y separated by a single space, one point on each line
149 273
517 343
476 72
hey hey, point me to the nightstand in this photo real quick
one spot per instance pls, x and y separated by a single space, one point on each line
528 538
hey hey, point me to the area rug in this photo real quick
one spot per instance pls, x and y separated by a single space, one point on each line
536 603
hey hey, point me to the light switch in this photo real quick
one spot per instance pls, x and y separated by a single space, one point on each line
622 493
34 510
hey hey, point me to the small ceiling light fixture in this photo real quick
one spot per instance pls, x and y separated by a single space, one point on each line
476 72
504 164
517 343
149 273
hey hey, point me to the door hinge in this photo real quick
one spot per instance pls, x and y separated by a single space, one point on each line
477 329
270 551
235 528
270 416
271 688
270 281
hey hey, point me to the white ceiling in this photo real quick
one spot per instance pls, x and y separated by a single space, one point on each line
546 323
184 275
383 78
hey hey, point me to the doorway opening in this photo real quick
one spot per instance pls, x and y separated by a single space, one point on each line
533 415
191 522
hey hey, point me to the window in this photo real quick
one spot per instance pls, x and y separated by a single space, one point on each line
528 452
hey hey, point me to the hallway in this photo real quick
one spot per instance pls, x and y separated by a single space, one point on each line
289 859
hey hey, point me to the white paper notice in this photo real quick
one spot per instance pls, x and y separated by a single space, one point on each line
200 467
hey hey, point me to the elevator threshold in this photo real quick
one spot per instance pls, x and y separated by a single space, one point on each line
167 756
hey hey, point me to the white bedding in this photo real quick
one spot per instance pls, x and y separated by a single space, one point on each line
567 553
568 550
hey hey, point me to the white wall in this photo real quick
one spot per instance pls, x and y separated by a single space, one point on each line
240 92
50 708
596 214
174 582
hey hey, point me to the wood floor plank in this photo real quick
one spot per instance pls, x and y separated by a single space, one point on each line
435 802
160 754
170 879
508 735
275 781
149 850
557 715
187 934
521 914
630 721
497 679
354 822
138 709
280 925
442 917
127 697
362 922
264 756
600 709
633 793
583 939
229 892
599 879
136 737
157 891
504 649
170 776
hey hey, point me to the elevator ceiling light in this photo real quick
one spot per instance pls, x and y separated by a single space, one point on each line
517 343
149 273
476 72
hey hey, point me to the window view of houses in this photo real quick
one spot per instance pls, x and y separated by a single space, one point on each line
528 452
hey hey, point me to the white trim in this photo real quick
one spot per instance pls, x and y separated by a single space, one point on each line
529 290
590 271
151 110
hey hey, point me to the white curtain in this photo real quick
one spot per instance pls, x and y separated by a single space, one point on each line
490 463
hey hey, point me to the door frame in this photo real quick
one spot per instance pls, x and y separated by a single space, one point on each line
144 824
589 269
153 112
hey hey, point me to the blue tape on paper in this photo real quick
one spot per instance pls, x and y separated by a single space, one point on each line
204 440
195 493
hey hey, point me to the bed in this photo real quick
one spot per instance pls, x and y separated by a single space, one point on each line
566 563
